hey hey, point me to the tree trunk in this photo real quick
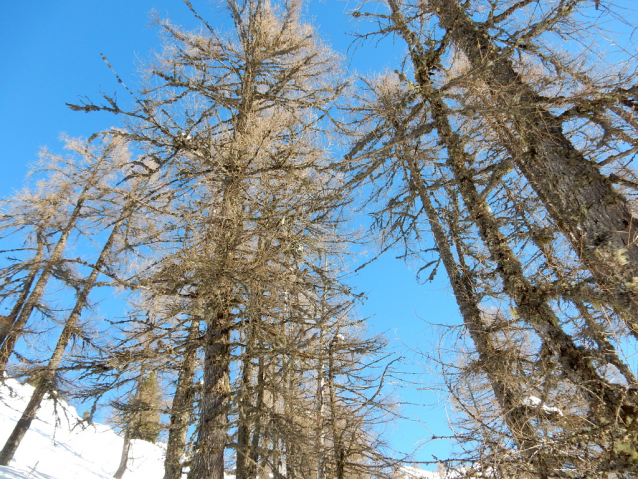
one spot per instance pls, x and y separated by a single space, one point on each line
243 429
182 406
208 459
517 420
583 202
252 470
606 399
337 435
245 408
126 448
320 433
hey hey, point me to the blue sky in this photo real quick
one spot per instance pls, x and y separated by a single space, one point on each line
50 55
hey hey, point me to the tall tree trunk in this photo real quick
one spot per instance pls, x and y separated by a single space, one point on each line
182 407
46 379
291 457
208 459
517 419
583 202
338 451
126 448
252 469
320 433
244 405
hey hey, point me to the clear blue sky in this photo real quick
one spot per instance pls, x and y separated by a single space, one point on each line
50 55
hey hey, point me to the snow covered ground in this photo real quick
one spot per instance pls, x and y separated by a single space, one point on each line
66 450
408 472
58 447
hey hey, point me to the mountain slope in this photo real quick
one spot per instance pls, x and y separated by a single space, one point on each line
57 447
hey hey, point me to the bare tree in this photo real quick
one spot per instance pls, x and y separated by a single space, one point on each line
471 164
593 215
72 185
47 377
249 156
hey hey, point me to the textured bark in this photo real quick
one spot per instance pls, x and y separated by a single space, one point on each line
338 451
182 407
518 421
582 201
320 433
291 441
46 380
252 469
606 400
208 460
244 406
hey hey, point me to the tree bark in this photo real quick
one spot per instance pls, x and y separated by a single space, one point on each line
252 469
126 448
244 406
182 407
208 459
338 451
582 201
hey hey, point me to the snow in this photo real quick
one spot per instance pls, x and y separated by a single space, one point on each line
66 450
533 401
58 446
408 472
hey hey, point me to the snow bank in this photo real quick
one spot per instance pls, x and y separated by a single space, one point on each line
61 449
408 472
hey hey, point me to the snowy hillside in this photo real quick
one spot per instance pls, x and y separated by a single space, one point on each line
68 451
51 451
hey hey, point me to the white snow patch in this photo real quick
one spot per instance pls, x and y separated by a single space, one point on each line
533 401
408 472
62 451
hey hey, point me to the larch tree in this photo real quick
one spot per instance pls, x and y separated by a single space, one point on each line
122 202
237 120
396 154
581 198
55 212
444 146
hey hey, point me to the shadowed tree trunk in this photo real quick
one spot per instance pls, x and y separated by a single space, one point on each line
338 451
245 407
182 407
208 459
252 468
